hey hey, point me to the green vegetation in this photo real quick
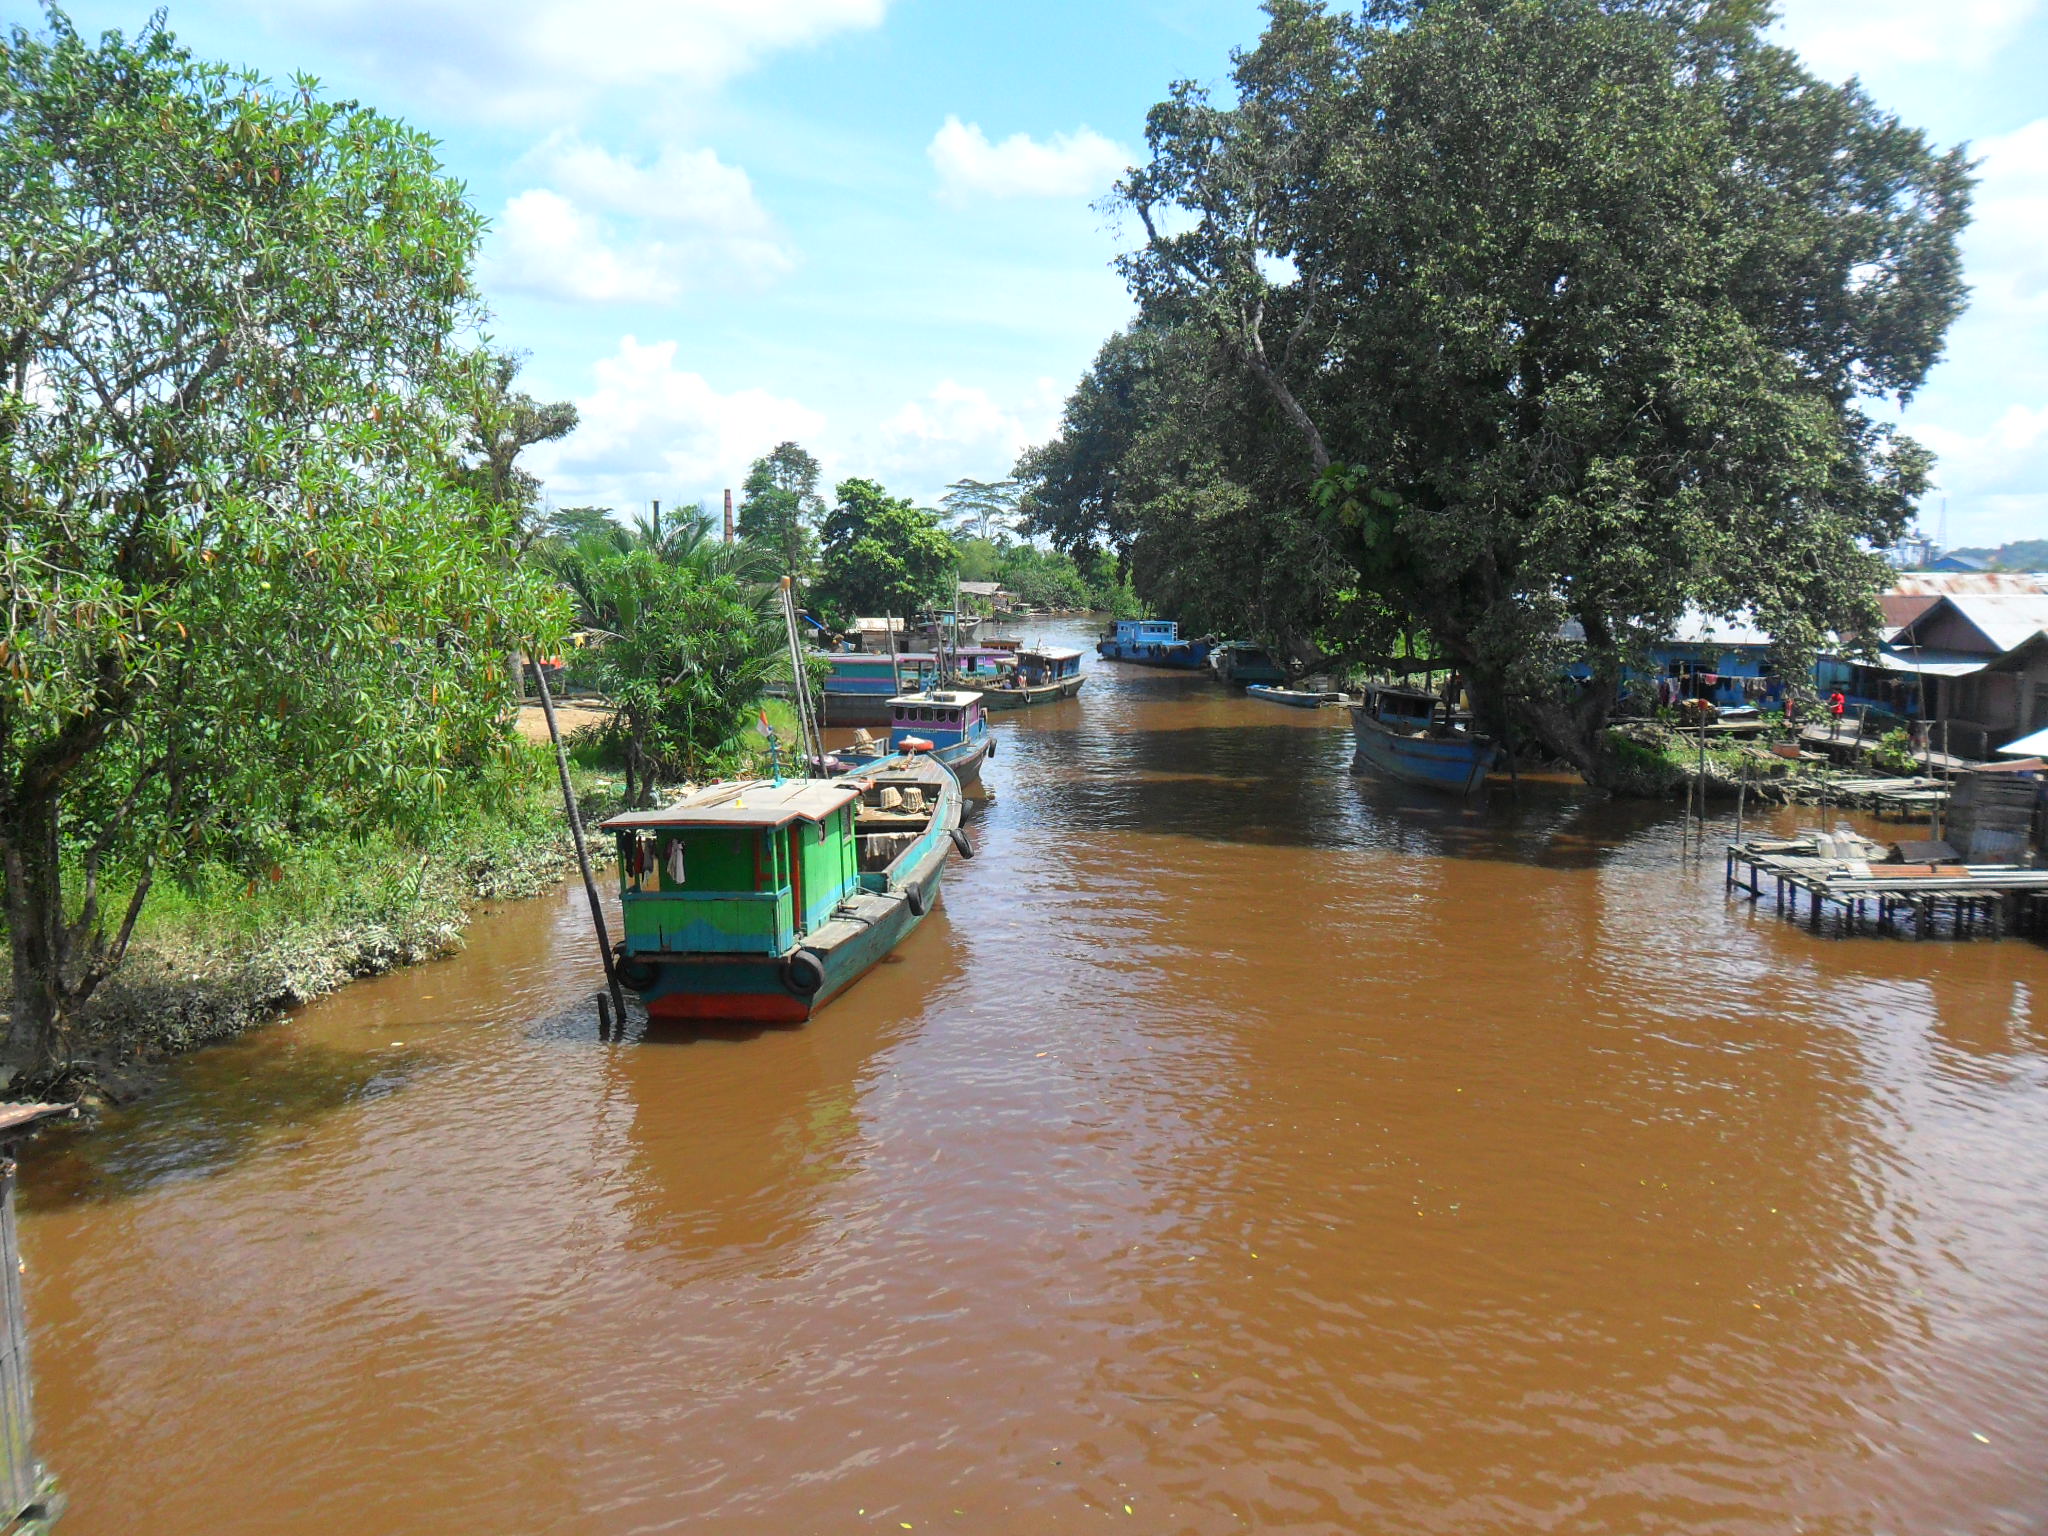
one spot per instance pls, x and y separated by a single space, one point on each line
2020 555
781 507
253 596
882 555
1520 325
1894 753
985 509
685 632
223 947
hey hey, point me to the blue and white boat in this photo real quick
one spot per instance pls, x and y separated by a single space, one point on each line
1408 734
1152 643
861 684
949 724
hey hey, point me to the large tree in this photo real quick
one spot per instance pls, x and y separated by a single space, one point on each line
499 423
1575 312
780 507
239 585
883 554
985 508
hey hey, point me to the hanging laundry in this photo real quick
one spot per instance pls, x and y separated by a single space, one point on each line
675 861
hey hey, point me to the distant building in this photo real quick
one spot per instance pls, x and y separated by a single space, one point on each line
1955 562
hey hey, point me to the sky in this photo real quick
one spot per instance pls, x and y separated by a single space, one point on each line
873 226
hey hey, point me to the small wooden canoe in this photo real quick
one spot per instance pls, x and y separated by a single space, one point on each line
1294 698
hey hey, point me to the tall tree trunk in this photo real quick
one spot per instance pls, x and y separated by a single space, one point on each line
37 936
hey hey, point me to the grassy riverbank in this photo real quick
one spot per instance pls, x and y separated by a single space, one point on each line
219 952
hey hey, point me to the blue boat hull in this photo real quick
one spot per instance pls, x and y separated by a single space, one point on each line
1186 655
1455 763
1293 698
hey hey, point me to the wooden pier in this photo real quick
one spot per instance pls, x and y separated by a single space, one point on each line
1856 896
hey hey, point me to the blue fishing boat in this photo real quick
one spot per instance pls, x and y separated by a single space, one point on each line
1152 643
762 900
1408 734
949 724
861 683
1042 675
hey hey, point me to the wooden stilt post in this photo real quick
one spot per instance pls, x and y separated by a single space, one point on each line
1701 844
604 938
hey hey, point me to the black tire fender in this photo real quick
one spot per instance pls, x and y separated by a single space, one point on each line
637 974
991 743
803 973
963 842
913 898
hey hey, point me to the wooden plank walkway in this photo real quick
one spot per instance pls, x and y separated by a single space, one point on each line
1854 896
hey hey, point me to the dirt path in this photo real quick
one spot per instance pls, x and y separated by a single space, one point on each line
533 725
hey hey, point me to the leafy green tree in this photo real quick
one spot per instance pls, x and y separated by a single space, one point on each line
689 636
571 525
780 507
1573 311
883 555
498 424
1044 578
980 559
1173 460
987 508
239 589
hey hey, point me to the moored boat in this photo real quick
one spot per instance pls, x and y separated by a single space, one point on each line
950 724
760 901
1042 675
1152 643
1239 662
1408 734
860 684
1297 698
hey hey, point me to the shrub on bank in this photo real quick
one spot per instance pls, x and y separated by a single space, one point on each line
222 949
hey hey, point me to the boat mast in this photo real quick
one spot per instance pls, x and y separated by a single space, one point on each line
813 739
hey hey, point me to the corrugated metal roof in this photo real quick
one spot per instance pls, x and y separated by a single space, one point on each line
1697 628
1943 583
751 803
1929 663
2006 619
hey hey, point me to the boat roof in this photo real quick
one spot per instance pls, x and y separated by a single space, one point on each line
923 656
747 803
1403 691
952 698
1050 652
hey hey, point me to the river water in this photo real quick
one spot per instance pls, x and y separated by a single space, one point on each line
1239 1146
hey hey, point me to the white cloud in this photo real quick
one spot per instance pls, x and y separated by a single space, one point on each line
2009 457
649 429
959 429
605 229
2006 246
1076 164
512 59
1839 38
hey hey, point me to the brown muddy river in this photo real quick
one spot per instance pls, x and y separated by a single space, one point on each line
1241 1146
